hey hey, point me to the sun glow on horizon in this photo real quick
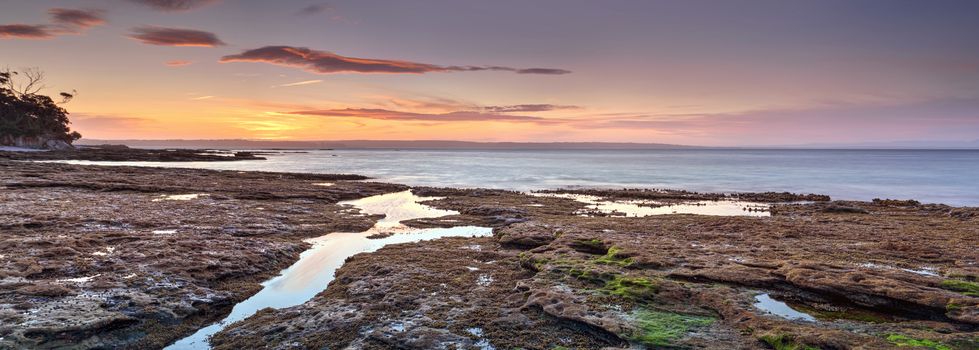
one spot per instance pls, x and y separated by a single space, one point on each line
717 76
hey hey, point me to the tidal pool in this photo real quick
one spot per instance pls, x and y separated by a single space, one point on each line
765 303
639 208
316 267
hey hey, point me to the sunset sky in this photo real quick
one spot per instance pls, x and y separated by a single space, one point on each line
687 72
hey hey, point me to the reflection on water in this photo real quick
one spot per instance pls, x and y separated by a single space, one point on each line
639 208
179 197
766 303
316 266
923 271
926 175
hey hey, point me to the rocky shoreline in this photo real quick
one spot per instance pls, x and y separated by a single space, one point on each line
114 153
126 257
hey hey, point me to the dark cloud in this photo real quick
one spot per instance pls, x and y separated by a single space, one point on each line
324 62
175 37
76 19
63 21
551 71
25 31
527 108
175 5
327 62
315 9
384 114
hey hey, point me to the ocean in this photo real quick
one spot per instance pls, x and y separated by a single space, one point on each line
931 176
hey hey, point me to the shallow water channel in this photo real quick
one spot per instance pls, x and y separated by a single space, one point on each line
317 266
640 208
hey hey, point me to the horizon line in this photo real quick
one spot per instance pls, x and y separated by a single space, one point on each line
612 145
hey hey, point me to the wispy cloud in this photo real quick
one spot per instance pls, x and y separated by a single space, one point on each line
100 123
527 108
175 5
178 63
175 37
202 98
299 83
26 31
76 19
551 71
384 114
324 62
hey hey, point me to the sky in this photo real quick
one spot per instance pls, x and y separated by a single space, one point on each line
714 73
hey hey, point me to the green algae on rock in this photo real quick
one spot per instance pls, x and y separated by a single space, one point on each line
632 288
785 342
613 257
903 340
965 287
659 328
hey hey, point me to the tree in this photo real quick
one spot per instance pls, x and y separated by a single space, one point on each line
24 112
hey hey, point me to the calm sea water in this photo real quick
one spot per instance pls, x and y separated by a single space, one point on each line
937 176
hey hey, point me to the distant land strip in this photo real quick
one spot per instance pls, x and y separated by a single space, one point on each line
472 145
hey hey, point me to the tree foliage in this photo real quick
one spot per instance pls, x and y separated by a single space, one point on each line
24 112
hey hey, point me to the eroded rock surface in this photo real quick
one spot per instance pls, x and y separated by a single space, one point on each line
122 257
886 274
137 257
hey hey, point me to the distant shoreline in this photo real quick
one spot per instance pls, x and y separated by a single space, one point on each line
484 146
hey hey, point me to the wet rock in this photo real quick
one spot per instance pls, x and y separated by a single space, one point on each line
394 298
555 279
45 290
63 151
843 209
526 235
123 257
560 302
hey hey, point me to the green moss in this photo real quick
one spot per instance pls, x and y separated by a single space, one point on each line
785 342
903 340
965 287
591 246
635 288
851 314
530 260
951 306
657 328
583 274
612 258
594 242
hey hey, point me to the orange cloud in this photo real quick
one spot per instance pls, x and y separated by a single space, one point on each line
178 63
527 108
300 83
175 37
